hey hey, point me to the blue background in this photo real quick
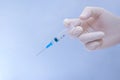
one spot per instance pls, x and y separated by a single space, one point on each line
25 25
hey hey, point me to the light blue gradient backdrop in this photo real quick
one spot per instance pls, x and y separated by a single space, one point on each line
26 24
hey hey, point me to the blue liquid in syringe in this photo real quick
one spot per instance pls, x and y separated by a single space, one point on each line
52 42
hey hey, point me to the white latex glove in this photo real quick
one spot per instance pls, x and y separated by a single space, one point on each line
96 28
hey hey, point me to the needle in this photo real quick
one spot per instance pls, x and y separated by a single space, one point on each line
41 51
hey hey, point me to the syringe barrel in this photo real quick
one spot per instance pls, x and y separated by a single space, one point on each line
60 36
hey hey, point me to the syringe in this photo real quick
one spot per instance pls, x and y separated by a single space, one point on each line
59 37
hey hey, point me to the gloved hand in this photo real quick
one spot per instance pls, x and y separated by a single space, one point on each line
96 28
